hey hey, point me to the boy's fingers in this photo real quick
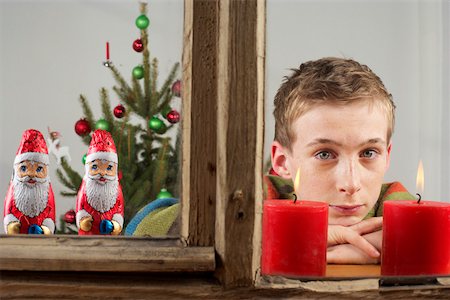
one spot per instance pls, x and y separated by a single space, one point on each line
368 226
359 242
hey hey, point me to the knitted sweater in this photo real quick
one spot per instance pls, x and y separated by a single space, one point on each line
279 188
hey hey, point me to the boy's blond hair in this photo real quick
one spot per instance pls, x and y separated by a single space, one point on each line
327 80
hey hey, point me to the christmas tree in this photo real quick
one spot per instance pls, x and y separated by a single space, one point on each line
148 156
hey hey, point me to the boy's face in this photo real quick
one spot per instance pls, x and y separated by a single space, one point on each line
342 154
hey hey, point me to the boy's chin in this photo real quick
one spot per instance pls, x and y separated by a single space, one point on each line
344 220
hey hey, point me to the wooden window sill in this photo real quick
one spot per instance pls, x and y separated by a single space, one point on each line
351 278
102 254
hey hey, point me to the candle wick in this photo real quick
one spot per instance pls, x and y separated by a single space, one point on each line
420 198
295 198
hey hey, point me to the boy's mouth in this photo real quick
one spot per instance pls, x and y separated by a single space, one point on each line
347 209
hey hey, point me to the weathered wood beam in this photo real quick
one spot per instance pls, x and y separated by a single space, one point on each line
240 132
118 254
200 122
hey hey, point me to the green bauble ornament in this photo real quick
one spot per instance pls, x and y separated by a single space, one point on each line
164 193
142 22
102 124
83 160
157 125
138 72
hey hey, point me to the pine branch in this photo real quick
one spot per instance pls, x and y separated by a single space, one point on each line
160 172
147 71
72 180
138 199
123 84
63 179
125 98
137 91
87 110
89 117
68 194
154 93
106 108
170 79
165 92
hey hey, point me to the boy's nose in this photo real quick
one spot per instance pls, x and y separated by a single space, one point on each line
349 180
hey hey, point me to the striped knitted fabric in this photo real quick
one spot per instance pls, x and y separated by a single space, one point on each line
154 219
276 187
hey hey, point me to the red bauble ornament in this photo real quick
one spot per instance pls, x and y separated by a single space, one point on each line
176 88
173 116
120 175
138 46
69 217
82 127
119 111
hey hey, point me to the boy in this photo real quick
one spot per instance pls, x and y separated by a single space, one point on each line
334 121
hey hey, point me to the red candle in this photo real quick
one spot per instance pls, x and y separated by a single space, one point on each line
416 238
107 50
294 241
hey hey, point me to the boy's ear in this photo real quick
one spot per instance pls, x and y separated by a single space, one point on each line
388 157
279 160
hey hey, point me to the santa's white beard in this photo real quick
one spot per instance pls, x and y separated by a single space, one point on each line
31 199
101 196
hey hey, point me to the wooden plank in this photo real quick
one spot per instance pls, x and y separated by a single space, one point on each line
63 253
199 65
186 120
62 285
353 271
239 108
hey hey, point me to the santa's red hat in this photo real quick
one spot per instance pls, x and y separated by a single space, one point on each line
102 147
32 147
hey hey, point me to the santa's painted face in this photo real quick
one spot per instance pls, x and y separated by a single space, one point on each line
101 184
31 185
103 169
31 170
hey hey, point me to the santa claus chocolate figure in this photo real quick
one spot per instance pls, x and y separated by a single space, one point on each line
100 200
29 202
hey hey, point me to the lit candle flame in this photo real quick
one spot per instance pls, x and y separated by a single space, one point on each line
297 181
420 181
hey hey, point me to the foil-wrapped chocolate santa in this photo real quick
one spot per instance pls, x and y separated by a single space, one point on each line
29 202
100 204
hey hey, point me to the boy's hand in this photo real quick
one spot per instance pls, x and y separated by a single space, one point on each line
353 235
349 254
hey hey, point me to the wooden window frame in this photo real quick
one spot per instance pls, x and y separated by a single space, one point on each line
223 100
222 159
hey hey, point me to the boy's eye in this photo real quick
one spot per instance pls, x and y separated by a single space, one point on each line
94 167
368 153
23 168
324 155
39 169
109 167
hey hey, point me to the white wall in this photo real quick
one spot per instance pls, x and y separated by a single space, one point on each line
404 42
52 51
